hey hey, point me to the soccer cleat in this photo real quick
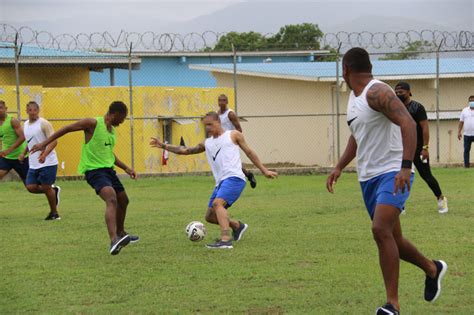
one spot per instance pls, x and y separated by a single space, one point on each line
52 216
443 205
237 234
387 309
252 180
433 285
118 244
57 190
220 244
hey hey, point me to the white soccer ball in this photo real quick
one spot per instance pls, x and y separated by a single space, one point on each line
196 231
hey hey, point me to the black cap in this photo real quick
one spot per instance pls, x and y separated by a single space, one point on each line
403 86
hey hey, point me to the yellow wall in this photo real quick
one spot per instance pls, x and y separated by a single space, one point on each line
63 106
27 93
47 76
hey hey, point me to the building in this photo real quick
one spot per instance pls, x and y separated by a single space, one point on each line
172 68
291 108
57 68
171 114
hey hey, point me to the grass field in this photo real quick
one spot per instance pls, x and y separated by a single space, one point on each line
306 251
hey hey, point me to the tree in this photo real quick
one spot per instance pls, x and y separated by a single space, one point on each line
250 41
411 51
330 57
304 36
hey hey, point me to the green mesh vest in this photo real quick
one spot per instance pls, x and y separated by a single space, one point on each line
9 137
99 151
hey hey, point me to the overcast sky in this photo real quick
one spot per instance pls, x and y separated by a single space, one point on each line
178 10
72 16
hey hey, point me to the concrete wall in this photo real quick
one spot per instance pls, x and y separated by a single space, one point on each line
454 93
312 140
47 76
174 71
62 106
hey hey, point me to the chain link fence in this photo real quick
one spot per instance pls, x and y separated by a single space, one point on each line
292 105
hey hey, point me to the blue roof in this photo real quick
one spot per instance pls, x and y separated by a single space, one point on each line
321 70
37 52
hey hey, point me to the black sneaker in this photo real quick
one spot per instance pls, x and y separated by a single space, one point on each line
53 216
57 190
433 285
134 238
220 244
237 234
118 244
252 180
387 309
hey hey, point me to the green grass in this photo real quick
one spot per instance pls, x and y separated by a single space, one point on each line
306 251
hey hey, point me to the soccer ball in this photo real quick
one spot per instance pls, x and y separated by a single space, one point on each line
196 231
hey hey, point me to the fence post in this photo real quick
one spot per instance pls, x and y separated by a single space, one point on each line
234 53
17 76
437 101
338 130
130 89
333 129
112 76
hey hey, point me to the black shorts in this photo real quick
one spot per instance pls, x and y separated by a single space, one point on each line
104 177
20 168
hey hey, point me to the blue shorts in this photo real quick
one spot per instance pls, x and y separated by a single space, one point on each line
20 168
379 190
104 177
229 190
42 176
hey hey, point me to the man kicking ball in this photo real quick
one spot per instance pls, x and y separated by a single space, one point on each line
222 151
97 164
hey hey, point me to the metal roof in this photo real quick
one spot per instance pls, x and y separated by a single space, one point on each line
326 71
30 55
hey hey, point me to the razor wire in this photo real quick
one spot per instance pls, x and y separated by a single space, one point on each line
196 42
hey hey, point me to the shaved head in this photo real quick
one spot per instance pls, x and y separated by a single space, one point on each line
213 115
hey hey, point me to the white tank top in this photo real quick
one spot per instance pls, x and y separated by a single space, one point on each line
379 141
225 121
223 156
34 134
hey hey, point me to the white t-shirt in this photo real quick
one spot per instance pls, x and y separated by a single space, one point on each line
223 156
379 141
37 132
467 116
225 121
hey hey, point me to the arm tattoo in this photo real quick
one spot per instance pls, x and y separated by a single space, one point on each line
175 149
185 150
196 149
381 98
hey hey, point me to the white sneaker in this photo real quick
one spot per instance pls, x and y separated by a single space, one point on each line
443 205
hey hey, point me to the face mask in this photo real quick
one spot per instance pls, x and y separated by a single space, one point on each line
402 98
471 104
